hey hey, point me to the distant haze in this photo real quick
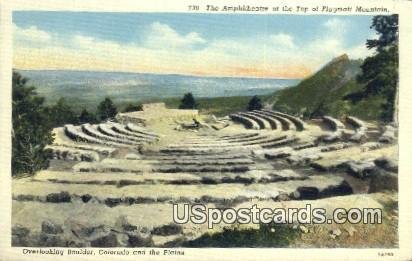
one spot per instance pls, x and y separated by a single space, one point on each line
134 87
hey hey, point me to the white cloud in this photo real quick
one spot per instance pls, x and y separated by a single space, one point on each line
163 36
31 34
163 49
283 40
336 25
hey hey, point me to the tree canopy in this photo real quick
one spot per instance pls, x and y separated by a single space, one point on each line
188 102
133 107
31 131
61 113
380 71
86 117
106 109
254 104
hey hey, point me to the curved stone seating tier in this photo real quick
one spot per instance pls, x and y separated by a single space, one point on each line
266 140
282 142
319 186
202 146
357 123
300 124
274 123
210 161
66 153
199 168
92 131
161 157
246 121
286 123
106 151
332 123
236 136
213 150
134 128
263 124
258 137
107 130
116 127
360 128
75 133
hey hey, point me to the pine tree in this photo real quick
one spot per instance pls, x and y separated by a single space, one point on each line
61 113
106 110
188 102
254 104
380 71
31 131
86 117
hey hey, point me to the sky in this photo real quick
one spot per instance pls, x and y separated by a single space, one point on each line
267 46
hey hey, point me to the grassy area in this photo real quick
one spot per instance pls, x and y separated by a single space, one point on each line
323 93
268 235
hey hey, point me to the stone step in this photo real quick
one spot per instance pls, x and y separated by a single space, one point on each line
237 136
212 150
299 124
196 157
282 142
285 122
120 128
139 166
332 123
106 129
75 133
200 161
255 138
267 140
274 123
137 129
201 168
106 151
92 130
263 123
67 153
248 122
312 187
127 179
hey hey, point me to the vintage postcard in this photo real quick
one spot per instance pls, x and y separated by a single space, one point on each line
206 130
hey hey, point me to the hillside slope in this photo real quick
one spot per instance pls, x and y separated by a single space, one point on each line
323 93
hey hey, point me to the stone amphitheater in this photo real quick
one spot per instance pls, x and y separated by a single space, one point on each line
113 184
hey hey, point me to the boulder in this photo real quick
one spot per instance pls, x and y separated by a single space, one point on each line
370 146
306 193
86 198
361 169
359 136
139 239
383 181
20 231
388 164
167 230
278 153
58 197
389 134
109 240
51 240
48 227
